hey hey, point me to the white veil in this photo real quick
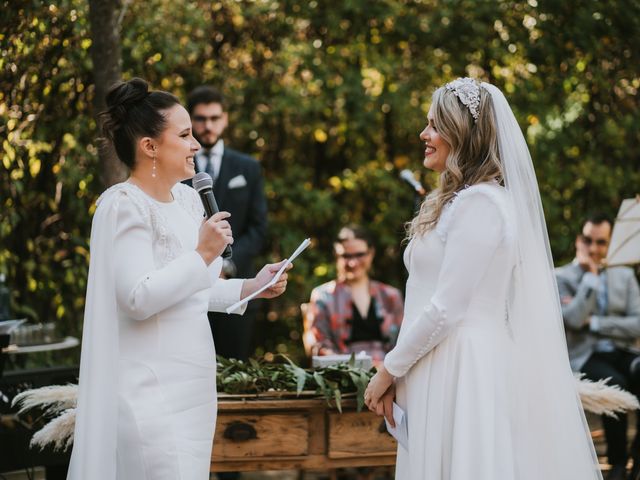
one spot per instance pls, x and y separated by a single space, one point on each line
95 433
551 436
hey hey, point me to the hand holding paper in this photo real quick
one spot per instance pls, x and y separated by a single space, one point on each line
400 432
285 264
263 281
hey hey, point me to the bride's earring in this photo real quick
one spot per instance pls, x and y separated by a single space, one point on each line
153 169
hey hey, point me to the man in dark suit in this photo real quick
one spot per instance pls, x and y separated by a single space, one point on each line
238 188
601 311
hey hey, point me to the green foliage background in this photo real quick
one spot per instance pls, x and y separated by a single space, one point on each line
330 96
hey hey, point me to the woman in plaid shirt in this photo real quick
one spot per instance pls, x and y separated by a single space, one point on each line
353 312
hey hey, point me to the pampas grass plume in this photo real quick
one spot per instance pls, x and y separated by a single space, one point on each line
58 432
604 399
53 399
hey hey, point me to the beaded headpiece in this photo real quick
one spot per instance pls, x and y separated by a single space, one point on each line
468 92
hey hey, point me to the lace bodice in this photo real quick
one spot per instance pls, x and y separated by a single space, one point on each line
166 245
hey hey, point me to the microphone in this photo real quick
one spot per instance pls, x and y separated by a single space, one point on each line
407 176
203 184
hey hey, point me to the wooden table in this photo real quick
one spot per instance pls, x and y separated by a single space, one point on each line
297 433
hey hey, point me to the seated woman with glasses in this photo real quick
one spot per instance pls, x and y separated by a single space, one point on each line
354 313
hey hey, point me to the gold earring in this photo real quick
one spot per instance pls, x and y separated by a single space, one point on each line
153 169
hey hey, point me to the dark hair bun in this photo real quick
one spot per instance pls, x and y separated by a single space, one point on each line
133 111
124 95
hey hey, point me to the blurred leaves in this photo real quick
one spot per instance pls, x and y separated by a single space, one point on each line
47 159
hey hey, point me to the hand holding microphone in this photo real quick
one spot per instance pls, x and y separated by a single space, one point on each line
215 235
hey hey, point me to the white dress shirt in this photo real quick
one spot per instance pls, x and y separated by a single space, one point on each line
212 157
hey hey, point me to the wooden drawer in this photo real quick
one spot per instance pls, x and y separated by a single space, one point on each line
278 434
352 434
297 434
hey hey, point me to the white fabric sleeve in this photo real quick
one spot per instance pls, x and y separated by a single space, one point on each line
142 289
581 300
477 227
224 293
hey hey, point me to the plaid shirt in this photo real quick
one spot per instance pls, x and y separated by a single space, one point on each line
330 314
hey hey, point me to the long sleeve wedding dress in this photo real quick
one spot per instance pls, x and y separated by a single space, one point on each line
147 390
457 360
453 350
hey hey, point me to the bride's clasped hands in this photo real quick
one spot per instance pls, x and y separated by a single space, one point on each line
380 394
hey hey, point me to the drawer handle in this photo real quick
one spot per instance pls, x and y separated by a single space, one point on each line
240 432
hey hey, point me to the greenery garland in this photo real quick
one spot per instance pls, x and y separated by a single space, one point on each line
259 376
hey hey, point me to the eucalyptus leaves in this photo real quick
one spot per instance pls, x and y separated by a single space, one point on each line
258 376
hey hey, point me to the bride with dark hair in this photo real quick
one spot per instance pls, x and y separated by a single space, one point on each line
481 366
147 390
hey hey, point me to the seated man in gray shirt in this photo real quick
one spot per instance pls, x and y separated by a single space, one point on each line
601 311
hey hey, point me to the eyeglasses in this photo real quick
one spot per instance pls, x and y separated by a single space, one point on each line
203 119
601 242
352 256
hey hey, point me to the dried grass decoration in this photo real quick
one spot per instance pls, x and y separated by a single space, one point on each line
58 401
603 399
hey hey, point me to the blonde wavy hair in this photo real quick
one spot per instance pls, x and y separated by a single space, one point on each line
473 154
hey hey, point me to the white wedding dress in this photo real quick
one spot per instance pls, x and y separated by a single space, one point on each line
147 400
473 411
453 350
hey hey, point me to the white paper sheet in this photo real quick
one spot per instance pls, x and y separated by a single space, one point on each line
305 243
400 432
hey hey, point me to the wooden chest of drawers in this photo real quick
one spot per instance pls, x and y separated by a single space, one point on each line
297 433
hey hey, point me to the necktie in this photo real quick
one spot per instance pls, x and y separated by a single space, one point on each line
210 168
602 300
602 294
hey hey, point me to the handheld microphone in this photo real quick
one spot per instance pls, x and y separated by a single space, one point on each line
203 184
407 176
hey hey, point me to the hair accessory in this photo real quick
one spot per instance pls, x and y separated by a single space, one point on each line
468 92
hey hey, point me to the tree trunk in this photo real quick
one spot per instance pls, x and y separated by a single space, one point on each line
107 70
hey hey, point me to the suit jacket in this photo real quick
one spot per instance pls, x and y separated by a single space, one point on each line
621 321
239 190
